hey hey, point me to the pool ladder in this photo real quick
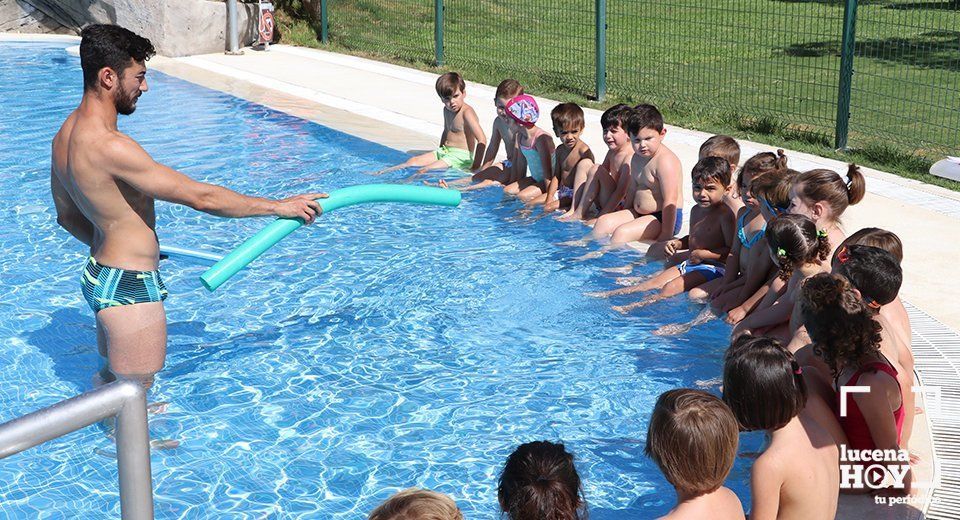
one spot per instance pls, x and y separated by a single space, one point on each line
125 400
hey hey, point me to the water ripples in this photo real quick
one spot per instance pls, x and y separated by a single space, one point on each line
386 346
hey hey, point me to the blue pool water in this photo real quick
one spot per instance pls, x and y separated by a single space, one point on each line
384 347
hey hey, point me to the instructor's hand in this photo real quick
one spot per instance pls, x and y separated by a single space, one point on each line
301 206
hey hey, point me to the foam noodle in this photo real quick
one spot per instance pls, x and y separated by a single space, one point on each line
280 228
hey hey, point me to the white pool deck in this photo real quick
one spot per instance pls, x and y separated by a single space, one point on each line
397 107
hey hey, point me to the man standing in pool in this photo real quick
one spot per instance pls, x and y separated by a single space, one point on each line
104 186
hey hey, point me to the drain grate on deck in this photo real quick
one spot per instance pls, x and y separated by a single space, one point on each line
936 353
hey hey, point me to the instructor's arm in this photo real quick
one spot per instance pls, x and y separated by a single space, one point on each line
127 161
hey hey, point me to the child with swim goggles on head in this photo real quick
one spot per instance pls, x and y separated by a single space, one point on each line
540 481
823 196
598 185
706 247
799 251
693 439
732 290
771 191
847 338
462 134
796 475
877 276
535 148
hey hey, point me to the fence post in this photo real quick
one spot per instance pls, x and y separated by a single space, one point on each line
847 49
324 34
601 48
438 32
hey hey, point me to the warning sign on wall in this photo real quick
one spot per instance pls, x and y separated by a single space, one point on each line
265 26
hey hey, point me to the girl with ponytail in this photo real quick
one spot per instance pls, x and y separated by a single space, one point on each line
823 196
796 475
799 251
540 482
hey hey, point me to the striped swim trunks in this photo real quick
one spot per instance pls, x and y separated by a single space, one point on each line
104 286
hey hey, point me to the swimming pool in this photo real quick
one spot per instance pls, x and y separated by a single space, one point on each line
384 347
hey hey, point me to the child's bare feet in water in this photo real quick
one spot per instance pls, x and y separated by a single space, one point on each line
590 256
443 184
158 407
627 269
574 243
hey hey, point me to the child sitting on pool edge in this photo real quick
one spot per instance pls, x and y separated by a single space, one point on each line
535 147
572 156
707 245
462 133
598 184
693 438
725 147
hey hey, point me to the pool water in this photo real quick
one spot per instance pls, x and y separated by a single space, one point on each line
384 347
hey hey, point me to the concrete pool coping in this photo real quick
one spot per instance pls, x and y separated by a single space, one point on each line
397 107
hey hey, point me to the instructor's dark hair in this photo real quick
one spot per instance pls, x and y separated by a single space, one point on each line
112 46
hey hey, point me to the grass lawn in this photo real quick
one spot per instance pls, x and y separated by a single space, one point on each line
765 70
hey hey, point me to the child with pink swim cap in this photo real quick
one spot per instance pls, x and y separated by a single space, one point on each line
535 146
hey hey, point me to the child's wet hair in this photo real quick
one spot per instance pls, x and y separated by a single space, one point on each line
774 187
827 186
617 115
760 366
509 89
449 83
540 481
875 237
872 271
693 438
712 168
794 241
644 116
419 504
567 115
722 146
840 325
760 164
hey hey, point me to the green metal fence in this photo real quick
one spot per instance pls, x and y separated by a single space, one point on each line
837 72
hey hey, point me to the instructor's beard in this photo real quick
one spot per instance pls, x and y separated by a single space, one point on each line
126 102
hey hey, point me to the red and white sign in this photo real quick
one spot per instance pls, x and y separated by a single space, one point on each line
265 29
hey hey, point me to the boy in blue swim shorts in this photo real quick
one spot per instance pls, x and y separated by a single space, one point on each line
698 257
571 156
463 142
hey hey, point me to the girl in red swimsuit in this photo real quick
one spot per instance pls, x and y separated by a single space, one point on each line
847 338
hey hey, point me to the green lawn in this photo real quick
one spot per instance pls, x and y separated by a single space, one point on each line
765 70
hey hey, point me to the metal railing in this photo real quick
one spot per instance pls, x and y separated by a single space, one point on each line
125 400
825 71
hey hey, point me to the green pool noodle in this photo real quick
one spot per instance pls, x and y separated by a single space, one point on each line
280 228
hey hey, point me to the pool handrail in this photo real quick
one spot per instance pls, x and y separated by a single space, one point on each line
125 400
